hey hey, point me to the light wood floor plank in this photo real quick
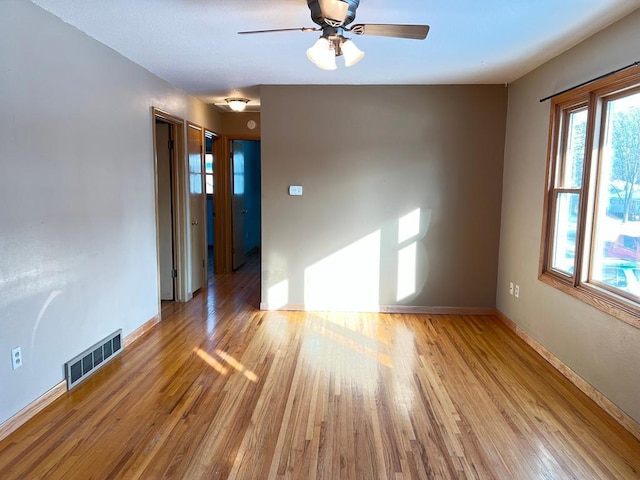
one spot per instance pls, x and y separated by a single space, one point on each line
221 390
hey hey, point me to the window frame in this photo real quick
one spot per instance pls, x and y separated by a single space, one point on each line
212 174
580 283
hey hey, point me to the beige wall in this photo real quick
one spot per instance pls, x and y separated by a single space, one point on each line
603 350
77 223
368 156
236 124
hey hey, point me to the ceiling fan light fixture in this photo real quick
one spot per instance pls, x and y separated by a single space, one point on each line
237 104
352 54
322 55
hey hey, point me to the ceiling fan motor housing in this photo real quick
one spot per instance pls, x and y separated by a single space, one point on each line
318 17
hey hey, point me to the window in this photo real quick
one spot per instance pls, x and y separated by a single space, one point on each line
591 238
209 163
208 171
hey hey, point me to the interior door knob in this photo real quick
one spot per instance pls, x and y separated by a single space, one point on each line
194 222
244 211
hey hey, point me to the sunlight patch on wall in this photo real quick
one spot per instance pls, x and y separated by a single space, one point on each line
407 258
408 231
278 295
348 280
409 226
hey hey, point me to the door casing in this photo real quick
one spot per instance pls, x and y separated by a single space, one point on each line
177 128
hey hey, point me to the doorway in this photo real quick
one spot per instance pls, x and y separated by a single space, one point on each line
171 240
210 190
201 204
245 199
166 225
186 171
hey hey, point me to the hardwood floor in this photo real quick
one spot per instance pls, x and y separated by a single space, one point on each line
221 390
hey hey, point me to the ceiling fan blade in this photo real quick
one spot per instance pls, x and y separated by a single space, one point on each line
299 29
334 9
416 32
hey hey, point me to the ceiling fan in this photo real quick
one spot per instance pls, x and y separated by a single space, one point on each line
333 18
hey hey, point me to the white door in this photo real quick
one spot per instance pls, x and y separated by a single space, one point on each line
238 210
196 208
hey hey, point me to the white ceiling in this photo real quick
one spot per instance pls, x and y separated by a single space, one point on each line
194 45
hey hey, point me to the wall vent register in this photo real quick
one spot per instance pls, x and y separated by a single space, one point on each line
83 365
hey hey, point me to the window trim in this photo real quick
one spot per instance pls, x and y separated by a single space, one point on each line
576 284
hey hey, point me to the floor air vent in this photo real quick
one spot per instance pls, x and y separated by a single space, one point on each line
83 365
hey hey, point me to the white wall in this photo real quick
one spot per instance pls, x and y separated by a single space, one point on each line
603 350
77 222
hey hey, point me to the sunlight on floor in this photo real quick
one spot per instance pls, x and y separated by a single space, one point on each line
237 365
371 331
349 343
403 355
217 366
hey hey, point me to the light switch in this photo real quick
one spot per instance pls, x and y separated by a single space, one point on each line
295 190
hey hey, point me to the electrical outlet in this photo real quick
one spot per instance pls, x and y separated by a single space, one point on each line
516 291
510 288
16 357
